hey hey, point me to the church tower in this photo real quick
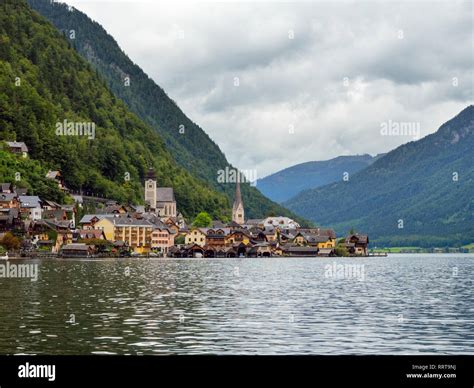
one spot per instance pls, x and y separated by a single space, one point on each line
150 188
238 215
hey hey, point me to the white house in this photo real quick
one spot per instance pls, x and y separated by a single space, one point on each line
280 222
31 205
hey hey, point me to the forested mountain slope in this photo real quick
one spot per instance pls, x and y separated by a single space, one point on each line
284 184
43 81
421 193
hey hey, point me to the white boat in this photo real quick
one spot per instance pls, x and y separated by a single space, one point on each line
4 257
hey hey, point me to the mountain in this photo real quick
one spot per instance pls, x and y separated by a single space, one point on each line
284 184
43 82
421 193
193 150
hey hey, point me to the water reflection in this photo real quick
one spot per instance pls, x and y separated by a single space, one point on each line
406 304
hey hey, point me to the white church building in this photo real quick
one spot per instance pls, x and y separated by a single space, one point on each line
161 200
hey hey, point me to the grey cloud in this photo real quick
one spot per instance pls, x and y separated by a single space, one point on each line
299 81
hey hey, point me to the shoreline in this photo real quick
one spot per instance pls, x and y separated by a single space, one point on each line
226 258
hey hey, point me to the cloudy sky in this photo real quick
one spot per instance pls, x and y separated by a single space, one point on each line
275 84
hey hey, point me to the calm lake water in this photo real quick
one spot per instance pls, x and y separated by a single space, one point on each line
402 304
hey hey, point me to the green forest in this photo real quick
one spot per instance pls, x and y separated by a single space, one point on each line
30 174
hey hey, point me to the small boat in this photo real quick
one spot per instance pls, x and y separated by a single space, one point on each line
4 257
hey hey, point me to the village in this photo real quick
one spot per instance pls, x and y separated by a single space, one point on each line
31 226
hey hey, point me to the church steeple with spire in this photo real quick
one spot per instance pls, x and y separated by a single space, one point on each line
161 200
238 214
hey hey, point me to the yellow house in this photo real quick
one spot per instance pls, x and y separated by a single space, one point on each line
315 240
196 236
107 226
331 238
137 233
329 243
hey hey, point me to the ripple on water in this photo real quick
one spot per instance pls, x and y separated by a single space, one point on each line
406 304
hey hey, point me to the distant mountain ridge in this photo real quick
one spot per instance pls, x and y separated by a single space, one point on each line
421 193
285 184
193 150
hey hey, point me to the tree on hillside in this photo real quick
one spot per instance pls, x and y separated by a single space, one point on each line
202 220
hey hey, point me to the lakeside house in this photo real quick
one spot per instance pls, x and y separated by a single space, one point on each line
357 244
196 236
215 238
315 239
260 250
77 250
299 251
238 237
105 225
137 233
162 239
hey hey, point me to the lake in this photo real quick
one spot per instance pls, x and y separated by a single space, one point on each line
401 304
